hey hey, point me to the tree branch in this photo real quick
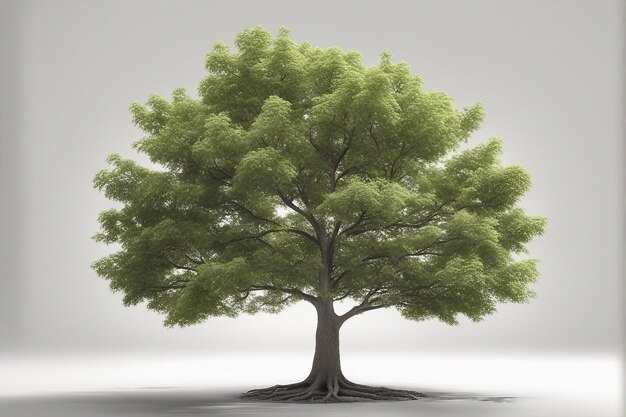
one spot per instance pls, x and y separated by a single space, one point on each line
302 233
192 260
360 309
175 265
335 232
342 297
395 163
254 215
399 225
366 305
267 232
174 285
340 276
315 146
294 291
333 169
420 252
344 173
356 224
312 220
422 222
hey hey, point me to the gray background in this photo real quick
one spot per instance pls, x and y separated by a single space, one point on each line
549 75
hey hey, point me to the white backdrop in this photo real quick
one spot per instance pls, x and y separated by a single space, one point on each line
549 75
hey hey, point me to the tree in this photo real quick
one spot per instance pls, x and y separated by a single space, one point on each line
301 174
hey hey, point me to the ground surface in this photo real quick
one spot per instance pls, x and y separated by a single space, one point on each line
169 402
478 386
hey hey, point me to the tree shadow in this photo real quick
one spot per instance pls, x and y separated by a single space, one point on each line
172 401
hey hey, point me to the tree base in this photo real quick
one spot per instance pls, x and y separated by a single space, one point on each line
339 390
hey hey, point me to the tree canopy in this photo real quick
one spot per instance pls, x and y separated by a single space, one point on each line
299 173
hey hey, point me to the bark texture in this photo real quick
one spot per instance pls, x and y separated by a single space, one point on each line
326 382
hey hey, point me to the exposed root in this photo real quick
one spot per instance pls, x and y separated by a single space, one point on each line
331 390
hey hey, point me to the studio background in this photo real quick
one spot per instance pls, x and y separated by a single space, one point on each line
548 73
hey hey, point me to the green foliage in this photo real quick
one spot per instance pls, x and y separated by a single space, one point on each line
299 173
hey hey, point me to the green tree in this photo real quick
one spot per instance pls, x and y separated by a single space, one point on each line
301 174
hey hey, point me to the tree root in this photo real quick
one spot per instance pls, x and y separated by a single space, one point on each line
330 390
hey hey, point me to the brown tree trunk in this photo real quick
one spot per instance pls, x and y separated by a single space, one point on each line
326 382
326 368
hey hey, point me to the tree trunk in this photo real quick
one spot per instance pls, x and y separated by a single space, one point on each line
326 382
326 369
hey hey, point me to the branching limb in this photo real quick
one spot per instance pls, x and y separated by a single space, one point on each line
244 296
223 179
344 296
292 291
252 214
266 232
312 220
336 279
177 266
190 258
302 233
430 217
358 228
344 173
396 162
315 146
335 232
420 252
355 311
367 304
335 165
177 284
355 225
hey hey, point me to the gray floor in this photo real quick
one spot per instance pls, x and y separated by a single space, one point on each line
175 402
209 385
